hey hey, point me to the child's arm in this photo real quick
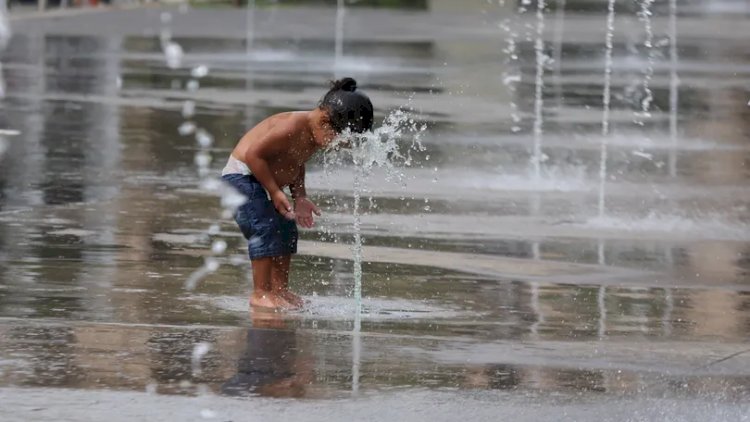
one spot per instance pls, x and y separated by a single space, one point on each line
298 186
273 144
303 207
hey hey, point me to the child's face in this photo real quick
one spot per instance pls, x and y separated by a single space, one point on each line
328 134
324 133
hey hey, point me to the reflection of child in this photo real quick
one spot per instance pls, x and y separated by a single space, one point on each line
271 363
266 366
272 156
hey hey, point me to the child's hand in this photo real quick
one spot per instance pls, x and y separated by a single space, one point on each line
304 209
282 205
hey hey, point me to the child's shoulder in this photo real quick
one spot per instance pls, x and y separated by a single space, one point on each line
289 120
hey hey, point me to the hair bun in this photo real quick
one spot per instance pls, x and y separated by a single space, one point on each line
345 84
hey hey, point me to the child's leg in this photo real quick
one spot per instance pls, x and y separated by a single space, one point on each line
280 280
264 295
262 274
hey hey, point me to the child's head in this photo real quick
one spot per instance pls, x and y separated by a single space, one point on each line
347 108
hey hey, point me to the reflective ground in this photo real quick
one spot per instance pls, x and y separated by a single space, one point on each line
488 292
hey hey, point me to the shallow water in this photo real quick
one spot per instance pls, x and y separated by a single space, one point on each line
477 277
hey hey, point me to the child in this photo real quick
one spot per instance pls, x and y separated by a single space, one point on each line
271 156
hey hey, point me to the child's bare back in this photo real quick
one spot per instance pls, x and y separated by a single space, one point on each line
286 139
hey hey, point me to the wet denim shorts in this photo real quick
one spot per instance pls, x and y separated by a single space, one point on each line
267 232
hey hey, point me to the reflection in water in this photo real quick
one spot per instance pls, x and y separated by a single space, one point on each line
281 361
270 364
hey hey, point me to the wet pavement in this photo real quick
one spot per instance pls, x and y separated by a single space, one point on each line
485 288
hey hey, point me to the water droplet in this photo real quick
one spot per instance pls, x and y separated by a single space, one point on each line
219 247
204 138
199 351
173 53
208 414
202 159
186 128
212 264
231 199
188 109
199 71
192 85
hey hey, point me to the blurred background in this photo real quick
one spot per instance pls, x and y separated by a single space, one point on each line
575 227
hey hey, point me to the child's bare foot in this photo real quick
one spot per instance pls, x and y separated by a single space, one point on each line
269 300
293 299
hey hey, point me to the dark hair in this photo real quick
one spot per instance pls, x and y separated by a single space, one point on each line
346 107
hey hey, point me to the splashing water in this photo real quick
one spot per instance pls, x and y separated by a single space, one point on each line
4 38
380 148
511 74
357 248
186 128
606 96
173 54
230 198
541 60
199 71
192 85
557 60
199 351
673 86
644 15
4 26
188 109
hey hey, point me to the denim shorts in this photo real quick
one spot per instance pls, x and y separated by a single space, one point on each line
267 232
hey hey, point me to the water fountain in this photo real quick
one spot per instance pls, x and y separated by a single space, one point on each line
606 97
644 15
512 74
339 38
557 59
4 38
230 199
541 59
377 149
357 248
673 87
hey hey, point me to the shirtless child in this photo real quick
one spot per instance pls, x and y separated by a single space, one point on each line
271 156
